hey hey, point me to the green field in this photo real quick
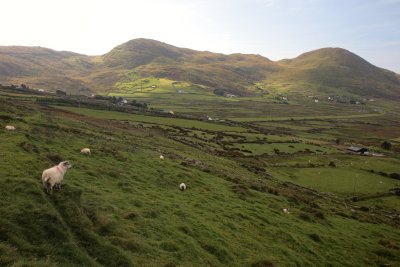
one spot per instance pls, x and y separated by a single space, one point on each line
121 205
276 148
111 115
345 181
305 118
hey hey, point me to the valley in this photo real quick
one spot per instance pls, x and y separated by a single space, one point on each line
244 160
292 162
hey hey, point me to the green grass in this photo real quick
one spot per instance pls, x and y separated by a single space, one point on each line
343 180
121 206
387 203
112 115
289 148
304 118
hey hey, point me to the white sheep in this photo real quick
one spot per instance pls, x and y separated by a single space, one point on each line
161 157
10 128
182 186
286 211
85 150
52 177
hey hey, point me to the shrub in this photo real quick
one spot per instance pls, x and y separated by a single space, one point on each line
395 176
383 174
386 145
315 237
28 147
305 217
55 159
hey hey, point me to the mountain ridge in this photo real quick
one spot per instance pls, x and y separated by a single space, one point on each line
233 73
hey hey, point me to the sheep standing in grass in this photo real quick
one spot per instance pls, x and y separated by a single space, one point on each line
10 128
161 157
85 151
52 177
182 186
286 211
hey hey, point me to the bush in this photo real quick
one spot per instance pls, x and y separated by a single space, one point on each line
55 159
386 145
315 237
305 217
395 176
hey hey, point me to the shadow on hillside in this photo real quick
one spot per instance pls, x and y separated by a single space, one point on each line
68 203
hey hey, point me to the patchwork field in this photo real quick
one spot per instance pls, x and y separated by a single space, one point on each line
121 205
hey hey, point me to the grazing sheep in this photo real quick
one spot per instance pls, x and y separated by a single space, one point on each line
52 177
286 211
10 128
161 157
182 187
85 150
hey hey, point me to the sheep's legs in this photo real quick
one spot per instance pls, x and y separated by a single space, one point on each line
49 188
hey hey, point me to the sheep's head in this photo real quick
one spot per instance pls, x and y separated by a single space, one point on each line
66 164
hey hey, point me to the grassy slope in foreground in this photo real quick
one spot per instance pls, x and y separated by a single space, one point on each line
121 205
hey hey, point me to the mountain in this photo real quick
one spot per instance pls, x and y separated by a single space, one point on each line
152 58
43 68
339 68
235 73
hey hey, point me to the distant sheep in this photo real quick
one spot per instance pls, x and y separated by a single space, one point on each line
182 186
52 177
161 157
286 211
85 151
10 128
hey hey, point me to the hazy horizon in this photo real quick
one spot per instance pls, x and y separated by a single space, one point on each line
271 28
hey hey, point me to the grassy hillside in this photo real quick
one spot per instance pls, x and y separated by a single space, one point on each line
121 206
341 69
44 68
325 71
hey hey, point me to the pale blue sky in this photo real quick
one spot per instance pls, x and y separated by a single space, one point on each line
273 28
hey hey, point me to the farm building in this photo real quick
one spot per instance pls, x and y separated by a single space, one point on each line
355 149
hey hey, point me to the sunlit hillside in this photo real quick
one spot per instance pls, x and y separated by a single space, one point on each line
331 70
